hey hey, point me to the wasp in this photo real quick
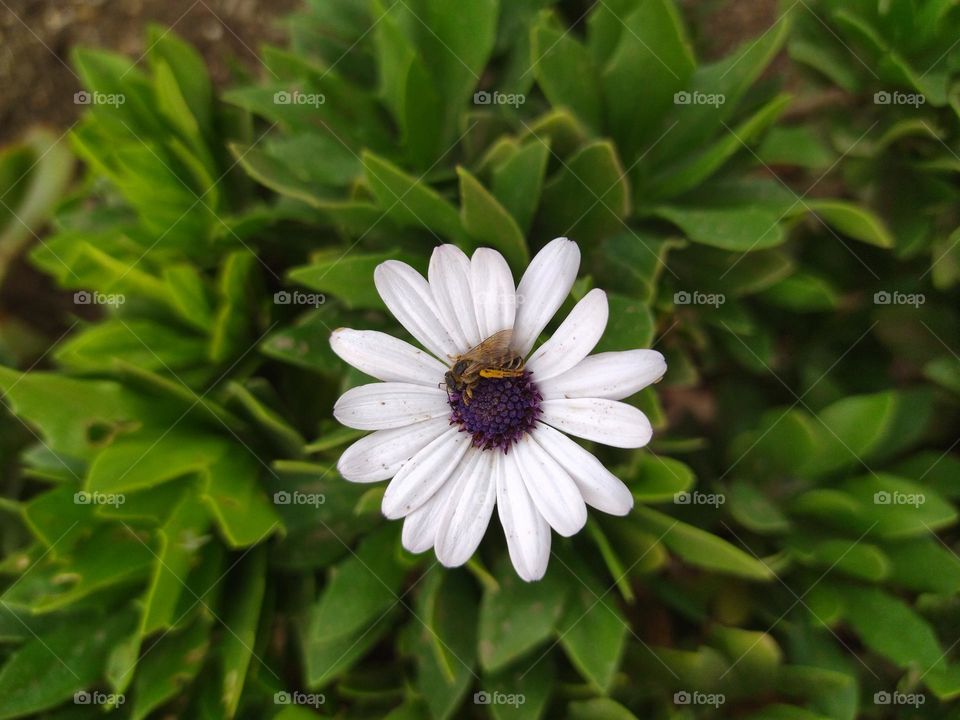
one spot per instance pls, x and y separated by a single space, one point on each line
493 358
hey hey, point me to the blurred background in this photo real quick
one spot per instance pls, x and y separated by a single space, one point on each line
36 35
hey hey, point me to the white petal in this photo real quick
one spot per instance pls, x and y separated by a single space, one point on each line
493 292
599 487
577 335
385 357
379 455
553 491
527 533
423 475
380 406
420 526
542 290
612 375
449 275
408 296
604 421
467 514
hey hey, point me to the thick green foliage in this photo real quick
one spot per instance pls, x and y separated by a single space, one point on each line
793 255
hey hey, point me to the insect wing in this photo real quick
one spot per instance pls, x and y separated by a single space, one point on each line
495 351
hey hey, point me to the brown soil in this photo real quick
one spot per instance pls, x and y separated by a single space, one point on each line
36 37
719 26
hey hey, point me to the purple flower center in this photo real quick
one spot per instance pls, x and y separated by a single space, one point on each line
500 411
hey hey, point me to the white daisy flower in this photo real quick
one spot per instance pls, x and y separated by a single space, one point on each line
457 445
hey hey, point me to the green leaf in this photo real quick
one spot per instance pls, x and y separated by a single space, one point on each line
693 170
852 220
189 71
276 174
236 284
630 325
856 559
658 479
518 182
305 343
519 616
881 504
737 229
360 594
632 263
565 70
592 631
112 557
653 46
269 420
74 416
408 89
409 201
702 549
56 518
489 223
558 129
236 501
133 463
360 588
757 655
47 670
944 371
888 626
446 640
588 197
455 48
785 439
803 292
798 146
178 541
242 616
189 296
693 125
924 565
114 76
141 342
534 683
849 430
340 168
346 276
754 510
33 176
598 709
779 711
166 669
